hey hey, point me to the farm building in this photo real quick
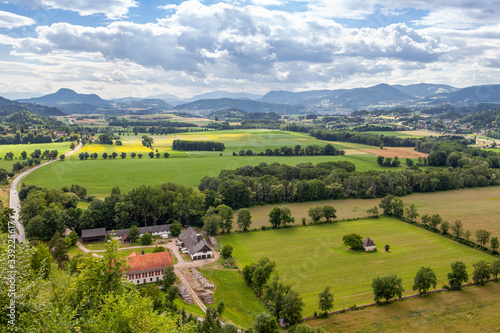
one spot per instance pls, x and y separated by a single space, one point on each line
196 246
157 230
368 244
147 268
94 235
60 133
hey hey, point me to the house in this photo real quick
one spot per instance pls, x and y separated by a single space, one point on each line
368 244
94 235
196 246
60 133
147 268
157 230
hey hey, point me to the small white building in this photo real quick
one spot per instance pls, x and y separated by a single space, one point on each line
368 244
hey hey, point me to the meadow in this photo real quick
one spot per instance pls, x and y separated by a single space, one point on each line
474 309
313 257
477 208
61 147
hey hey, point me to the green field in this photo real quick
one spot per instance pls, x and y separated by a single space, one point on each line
311 258
473 309
61 147
241 305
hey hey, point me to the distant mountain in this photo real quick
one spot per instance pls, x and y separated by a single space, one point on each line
236 114
169 98
158 104
8 107
298 98
206 106
376 95
422 90
218 94
67 96
469 96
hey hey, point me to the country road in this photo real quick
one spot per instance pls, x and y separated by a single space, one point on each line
14 202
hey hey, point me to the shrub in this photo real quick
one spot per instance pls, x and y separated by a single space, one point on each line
146 239
387 247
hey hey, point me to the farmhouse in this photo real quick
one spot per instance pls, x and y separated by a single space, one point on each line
368 244
60 133
93 235
147 268
196 246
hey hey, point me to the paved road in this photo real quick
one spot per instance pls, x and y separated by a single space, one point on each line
14 202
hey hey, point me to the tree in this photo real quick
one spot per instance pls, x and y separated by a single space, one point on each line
280 216
226 214
139 155
458 275
424 280
411 212
495 269
265 323
325 301
244 219
387 247
123 155
169 277
133 155
387 287
159 249
104 155
457 228
481 272
354 241
41 260
151 154
316 213
302 328
62 157
386 204
426 219
220 308
329 212
212 224
227 251
373 211
292 307
275 217
166 155
445 226
392 205
494 243
436 220
114 154
74 237
59 249
482 236
146 239
133 233
175 228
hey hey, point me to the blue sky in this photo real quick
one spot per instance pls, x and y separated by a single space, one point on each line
119 48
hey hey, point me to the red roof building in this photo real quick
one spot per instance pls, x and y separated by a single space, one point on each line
147 268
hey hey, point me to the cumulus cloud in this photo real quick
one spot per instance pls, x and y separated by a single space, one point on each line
10 20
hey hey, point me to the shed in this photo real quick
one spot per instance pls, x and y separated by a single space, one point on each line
93 235
368 244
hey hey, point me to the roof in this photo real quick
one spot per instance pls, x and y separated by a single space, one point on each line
148 262
60 133
86 233
142 230
368 242
189 238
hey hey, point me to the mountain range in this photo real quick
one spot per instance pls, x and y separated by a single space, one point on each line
380 96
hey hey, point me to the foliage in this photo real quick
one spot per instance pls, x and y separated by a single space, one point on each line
280 216
169 277
392 205
292 307
226 215
133 233
159 249
387 287
482 236
424 280
187 145
458 275
265 323
495 269
457 227
354 241
316 213
373 212
387 247
494 243
325 302
212 224
227 251
244 219
176 228
258 274
411 212
481 272
329 212
146 239
41 260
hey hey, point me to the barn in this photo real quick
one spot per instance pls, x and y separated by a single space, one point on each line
147 268
94 235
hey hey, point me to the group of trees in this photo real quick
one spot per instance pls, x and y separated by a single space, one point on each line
113 155
318 212
388 161
220 217
296 151
187 145
276 183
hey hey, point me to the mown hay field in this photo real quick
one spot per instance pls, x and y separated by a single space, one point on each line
313 257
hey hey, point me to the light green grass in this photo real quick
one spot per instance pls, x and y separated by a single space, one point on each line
61 147
311 258
100 176
241 304
74 250
189 308
390 133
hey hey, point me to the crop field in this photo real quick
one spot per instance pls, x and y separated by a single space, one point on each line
311 258
477 208
61 147
473 309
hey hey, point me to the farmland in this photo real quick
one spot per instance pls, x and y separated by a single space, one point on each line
313 257
61 147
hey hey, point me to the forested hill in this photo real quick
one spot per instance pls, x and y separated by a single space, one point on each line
481 119
8 107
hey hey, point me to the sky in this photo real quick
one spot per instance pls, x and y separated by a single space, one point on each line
122 48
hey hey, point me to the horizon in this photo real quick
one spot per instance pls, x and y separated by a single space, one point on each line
123 48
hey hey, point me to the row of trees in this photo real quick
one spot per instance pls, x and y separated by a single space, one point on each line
295 151
187 145
389 162
276 183
113 155
37 154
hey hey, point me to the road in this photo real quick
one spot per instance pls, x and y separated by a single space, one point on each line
14 202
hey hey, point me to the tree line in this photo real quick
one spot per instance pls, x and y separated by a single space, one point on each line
328 149
156 123
276 183
114 155
187 145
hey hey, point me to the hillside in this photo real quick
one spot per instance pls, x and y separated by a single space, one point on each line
469 96
210 105
8 107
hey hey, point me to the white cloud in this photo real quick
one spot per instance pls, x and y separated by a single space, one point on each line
10 20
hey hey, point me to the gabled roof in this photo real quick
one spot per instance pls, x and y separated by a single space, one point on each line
368 242
190 240
93 232
148 262
142 230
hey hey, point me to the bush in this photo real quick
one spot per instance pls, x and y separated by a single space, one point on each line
146 239
387 247
227 251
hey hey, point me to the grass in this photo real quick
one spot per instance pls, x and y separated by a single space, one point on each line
313 257
61 147
477 208
189 308
100 176
473 309
241 304
74 250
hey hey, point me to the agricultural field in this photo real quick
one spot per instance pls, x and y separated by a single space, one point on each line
313 257
241 305
61 147
474 309
477 208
